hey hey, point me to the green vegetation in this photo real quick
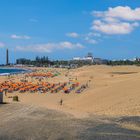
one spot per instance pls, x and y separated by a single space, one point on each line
45 62
123 62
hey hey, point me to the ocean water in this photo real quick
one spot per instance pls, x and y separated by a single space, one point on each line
8 71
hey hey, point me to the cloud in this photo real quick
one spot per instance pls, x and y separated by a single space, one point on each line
114 27
86 37
118 20
120 12
69 45
49 47
20 37
91 34
90 41
2 45
73 35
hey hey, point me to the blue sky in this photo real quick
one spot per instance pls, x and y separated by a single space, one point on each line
63 29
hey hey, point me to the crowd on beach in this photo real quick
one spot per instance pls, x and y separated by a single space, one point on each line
41 85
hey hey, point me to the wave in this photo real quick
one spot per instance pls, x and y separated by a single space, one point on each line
3 74
8 71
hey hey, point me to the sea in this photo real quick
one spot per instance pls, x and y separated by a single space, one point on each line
9 71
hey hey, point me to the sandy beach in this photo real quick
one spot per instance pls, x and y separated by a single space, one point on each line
112 91
111 99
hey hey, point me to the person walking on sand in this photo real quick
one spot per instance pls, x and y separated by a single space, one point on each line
61 102
5 92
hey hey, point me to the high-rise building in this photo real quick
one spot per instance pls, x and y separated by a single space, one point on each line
7 57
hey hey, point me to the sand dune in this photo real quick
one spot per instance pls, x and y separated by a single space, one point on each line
110 94
112 91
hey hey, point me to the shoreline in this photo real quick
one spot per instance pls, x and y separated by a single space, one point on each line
20 71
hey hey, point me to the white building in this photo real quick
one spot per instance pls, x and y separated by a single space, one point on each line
76 58
89 57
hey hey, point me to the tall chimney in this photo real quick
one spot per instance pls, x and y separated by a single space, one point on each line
7 57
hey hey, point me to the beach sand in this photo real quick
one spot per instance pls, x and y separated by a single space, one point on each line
113 93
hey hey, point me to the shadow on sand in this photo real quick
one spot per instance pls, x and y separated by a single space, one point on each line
3 103
20 122
113 129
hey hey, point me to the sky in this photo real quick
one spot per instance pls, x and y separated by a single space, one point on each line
63 29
